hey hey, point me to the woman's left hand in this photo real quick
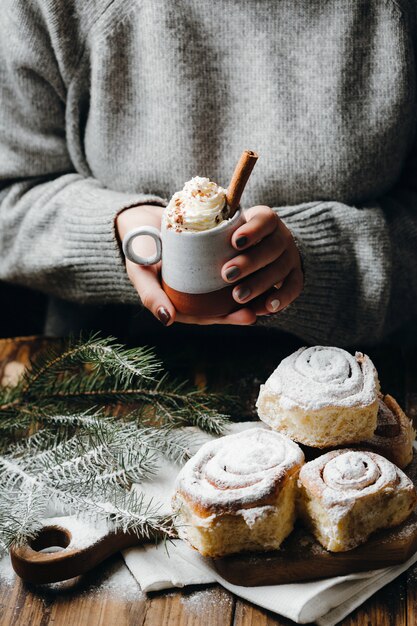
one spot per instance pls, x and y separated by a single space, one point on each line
268 271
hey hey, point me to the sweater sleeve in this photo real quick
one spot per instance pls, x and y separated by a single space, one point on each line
360 266
57 226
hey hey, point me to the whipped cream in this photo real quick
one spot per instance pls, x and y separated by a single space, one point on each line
200 205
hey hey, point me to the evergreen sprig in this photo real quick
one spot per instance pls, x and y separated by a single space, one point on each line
66 442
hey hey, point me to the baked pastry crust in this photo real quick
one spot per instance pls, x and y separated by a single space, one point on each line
322 397
394 435
393 438
238 493
346 495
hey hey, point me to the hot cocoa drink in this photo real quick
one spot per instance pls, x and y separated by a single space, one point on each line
195 242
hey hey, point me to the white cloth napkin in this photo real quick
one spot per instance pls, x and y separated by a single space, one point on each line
325 602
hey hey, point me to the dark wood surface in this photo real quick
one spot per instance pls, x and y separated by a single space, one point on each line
109 595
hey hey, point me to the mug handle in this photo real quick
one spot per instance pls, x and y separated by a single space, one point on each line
130 237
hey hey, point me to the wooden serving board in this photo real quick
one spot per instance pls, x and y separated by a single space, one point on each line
302 558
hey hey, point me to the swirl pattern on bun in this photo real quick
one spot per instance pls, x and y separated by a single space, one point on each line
345 495
238 493
322 397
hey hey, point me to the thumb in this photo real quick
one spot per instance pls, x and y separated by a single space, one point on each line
153 297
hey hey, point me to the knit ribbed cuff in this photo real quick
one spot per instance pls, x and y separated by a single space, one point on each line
319 314
92 251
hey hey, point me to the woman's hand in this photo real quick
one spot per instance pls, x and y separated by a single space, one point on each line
269 258
145 278
269 269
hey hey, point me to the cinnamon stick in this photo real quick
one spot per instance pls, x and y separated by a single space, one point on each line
240 177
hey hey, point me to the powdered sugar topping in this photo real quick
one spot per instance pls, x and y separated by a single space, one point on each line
315 377
239 470
356 470
340 477
253 515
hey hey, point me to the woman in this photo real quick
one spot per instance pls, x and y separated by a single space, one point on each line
108 107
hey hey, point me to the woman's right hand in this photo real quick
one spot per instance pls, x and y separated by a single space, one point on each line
145 278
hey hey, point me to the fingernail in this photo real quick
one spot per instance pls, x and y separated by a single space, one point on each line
232 272
241 241
163 315
274 305
243 293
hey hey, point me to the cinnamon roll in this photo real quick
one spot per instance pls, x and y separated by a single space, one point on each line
394 434
322 397
345 495
393 438
238 493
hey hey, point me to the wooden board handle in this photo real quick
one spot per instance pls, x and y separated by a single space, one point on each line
38 567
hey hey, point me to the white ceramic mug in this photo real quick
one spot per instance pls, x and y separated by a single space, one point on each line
191 264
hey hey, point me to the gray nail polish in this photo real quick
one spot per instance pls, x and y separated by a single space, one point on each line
243 293
241 241
232 272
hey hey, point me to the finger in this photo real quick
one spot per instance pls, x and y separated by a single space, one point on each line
264 279
259 256
153 297
258 306
242 317
261 222
291 289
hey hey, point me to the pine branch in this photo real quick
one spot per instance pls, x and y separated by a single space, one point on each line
132 513
126 511
52 371
64 440
20 516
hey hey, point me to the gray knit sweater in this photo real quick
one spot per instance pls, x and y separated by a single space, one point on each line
109 103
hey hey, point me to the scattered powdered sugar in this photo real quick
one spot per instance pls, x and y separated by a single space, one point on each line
316 377
412 576
237 470
202 602
118 582
7 573
405 531
112 578
83 534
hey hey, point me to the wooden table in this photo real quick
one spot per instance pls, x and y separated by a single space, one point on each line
110 595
